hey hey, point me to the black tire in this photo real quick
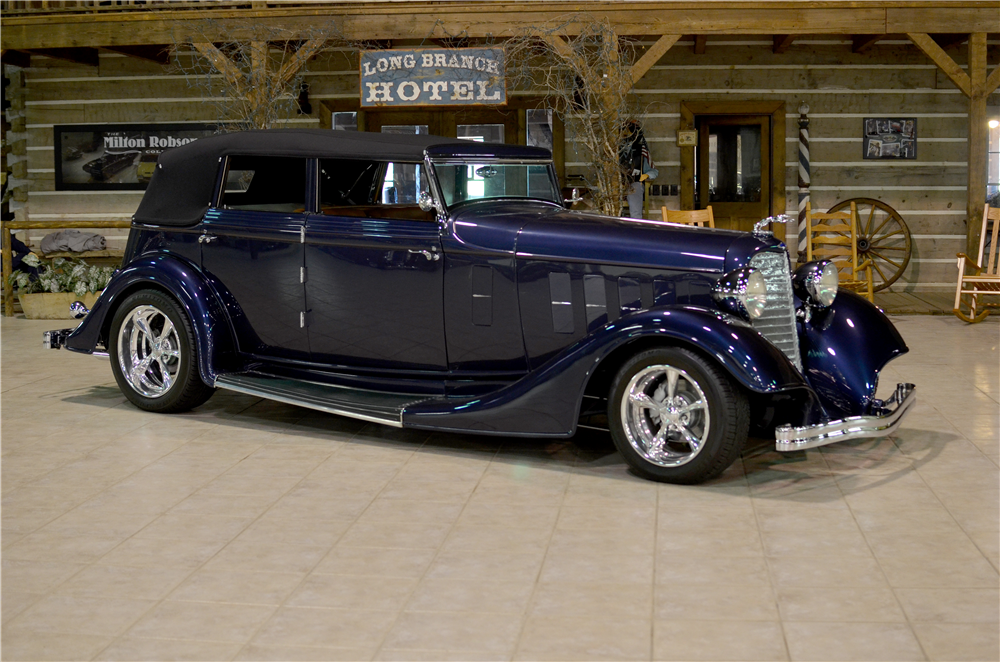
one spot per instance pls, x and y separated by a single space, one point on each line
155 365
707 407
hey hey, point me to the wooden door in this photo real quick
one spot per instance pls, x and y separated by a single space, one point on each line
734 168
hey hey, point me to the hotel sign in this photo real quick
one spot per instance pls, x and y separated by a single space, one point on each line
433 77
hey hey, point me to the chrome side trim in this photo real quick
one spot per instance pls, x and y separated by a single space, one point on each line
788 438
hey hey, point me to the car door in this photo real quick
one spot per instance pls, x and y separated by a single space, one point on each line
252 246
374 273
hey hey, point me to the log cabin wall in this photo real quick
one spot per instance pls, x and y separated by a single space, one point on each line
890 78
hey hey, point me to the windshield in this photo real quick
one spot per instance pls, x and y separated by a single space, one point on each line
461 182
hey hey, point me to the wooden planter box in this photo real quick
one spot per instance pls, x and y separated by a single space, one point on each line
53 305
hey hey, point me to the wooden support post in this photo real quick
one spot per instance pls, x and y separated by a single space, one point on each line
977 139
782 42
699 44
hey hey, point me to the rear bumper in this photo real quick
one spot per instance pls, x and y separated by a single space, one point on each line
891 412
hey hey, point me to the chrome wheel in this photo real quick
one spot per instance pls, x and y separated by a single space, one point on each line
149 351
665 415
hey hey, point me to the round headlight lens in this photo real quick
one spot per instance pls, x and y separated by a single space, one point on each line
823 288
755 295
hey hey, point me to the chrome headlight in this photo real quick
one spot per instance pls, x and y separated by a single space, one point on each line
816 283
743 292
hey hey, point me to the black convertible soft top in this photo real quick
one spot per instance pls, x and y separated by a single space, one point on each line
181 189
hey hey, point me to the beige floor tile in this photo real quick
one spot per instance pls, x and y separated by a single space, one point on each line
156 552
811 542
606 516
959 641
250 588
139 649
339 628
928 571
698 517
414 655
72 614
295 531
25 576
626 539
376 562
826 571
950 605
710 542
195 526
407 535
486 566
738 571
350 592
582 565
615 601
232 505
469 631
60 547
480 511
569 638
463 595
312 504
512 540
26 645
718 640
701 602
15 602
852 641
422 512
255 652
267 556
149 583
202 621
854 604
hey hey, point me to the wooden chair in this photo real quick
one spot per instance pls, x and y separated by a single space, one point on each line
984 279
834 236
699 217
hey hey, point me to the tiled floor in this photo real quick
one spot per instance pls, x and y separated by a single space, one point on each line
254 530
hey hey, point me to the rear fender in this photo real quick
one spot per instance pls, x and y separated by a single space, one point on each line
843 350
546 402
184 282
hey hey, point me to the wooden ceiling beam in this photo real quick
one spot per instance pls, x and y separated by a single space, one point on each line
159 53
782 42
862 42
76 55
653 55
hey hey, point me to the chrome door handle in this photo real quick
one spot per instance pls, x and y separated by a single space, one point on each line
430 255
206 238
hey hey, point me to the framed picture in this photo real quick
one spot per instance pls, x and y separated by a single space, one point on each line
115 157
889 138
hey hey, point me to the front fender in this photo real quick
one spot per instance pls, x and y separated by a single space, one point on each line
843 350
187 284
546 402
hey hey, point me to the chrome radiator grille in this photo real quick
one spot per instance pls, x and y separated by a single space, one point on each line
777 324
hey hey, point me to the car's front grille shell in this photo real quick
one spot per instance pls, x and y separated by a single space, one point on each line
777 324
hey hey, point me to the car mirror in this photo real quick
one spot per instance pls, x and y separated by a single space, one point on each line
425 201
575 199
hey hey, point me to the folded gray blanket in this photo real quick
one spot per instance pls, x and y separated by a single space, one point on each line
72 240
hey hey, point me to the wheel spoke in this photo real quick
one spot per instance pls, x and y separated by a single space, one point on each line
139 370
168 328
884 223
693 441
672 376
885 236
871 217
700 404
880 272
888 248
884 258
660 439
643 400
165 374
142 324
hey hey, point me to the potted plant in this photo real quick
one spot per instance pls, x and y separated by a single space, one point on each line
59 283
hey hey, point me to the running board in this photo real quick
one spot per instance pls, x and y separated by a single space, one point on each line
372 406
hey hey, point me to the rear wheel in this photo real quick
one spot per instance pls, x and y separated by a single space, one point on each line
675 417
153 355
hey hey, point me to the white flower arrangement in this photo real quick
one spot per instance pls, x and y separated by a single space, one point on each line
61 275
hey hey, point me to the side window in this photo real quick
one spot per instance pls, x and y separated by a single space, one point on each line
374 189
265 183
403 183
348 182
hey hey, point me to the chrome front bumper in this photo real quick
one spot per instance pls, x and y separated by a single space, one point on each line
891 411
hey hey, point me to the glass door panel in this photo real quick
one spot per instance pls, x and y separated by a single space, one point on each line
733 169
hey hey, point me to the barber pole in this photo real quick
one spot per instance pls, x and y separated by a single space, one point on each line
803 175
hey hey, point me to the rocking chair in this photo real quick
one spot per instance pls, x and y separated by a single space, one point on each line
984 279
834 236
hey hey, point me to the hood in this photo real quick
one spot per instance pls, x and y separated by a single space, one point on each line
562 234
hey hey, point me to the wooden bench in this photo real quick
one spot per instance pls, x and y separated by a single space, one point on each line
106 256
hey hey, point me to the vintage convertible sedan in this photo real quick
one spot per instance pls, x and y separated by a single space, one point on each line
427 282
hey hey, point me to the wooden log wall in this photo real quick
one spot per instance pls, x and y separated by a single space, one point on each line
891 78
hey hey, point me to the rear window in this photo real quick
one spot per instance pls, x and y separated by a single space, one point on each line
265 183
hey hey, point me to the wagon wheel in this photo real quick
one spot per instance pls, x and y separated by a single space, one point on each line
882 237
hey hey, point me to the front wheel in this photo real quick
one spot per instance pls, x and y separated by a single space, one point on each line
675 417
153 355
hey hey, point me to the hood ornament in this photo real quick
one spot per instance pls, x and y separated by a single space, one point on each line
762 228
